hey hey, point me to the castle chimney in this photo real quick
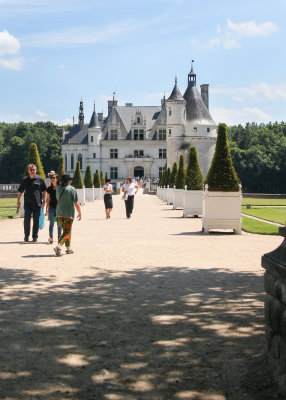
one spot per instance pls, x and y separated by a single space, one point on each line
205 94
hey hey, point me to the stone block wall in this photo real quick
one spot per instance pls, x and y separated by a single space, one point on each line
275 311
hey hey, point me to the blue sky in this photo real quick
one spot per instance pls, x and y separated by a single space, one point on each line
53 52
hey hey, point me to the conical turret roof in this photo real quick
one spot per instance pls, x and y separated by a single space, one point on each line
176 94
94 120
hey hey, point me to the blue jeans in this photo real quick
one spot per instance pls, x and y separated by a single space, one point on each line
52 214
29 210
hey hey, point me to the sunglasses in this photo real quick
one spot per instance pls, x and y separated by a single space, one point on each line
53 177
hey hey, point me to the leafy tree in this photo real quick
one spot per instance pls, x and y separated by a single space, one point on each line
34 158
77 181
88 177
61 168
194 176
173 176
102 181
181 176
96 180
222 176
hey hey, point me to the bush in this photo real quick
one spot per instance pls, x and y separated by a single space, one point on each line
173 176
96 179
102 181
61 169
222 176
34 158
77 181
194 176
180 180
88 178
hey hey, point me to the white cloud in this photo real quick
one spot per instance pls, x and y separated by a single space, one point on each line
41 114
9 44
231 44
257 91
233 116
13 63
11 118
252 28
61 66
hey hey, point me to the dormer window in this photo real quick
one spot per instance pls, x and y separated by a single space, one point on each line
138 120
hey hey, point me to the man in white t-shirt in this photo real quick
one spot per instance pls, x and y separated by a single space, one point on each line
130 188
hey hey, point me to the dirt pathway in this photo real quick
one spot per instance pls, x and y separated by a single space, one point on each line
146 308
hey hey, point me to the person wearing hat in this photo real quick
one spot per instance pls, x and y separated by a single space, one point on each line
34 189
67 201
52 205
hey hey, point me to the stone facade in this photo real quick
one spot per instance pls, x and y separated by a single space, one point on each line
141 140
275 311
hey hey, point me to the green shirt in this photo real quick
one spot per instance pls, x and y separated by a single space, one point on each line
65 206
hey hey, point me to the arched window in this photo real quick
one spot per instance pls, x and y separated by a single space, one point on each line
66 162
79 158
72 162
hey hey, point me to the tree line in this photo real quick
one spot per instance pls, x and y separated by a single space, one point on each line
258 152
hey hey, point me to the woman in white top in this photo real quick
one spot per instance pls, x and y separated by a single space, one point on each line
130 188
108 189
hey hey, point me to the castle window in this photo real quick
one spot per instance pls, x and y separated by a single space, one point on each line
136 136
113 134
162 153
138 120
79 158
161 169
208 129
138 153
93 155
195 129
113 153
162 134
170 131
141 134
113 172
72 161
170 112
91 138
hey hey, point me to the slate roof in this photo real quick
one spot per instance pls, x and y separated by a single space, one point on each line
77 135
149 113
176 94
94 120
196 109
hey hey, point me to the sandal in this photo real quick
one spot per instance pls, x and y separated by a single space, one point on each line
57 250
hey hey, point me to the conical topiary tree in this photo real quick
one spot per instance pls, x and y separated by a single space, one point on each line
88 178
194 176
61 169
96 179
222 176
168 175
173 176
164 173
77 181
180 181
34 158
106 176
102 181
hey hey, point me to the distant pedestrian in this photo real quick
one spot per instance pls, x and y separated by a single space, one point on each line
108 203
67 201
52 205
130 188
34 189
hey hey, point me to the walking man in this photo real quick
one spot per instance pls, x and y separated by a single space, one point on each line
34 189
130 188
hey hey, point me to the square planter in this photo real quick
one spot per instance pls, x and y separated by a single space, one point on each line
98 193
89 194
193 203
81 196
222 210
178 198
170 195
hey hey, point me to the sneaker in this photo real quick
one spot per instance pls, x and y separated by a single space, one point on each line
57 250
50 240
26 239
35 240
69 251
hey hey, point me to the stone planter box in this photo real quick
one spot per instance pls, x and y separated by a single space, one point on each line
81 196
222 210
275 311
170 195
164 194
98 193
178 198
89 194
193 203
159 192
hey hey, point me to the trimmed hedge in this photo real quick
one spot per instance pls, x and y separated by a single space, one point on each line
96 179
181 176
222 176
77 181
173 176
34 158
88 177
194 176
61 168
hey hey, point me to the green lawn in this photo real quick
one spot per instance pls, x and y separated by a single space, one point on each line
8 208
263 202
273 214
254 226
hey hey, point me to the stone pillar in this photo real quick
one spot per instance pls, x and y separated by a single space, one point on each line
275 310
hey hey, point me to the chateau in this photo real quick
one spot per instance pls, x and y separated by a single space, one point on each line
140 140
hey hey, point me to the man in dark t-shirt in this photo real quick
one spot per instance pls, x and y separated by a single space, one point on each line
34 189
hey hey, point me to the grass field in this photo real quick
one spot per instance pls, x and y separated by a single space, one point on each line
253 226
263 202
8 208
273 214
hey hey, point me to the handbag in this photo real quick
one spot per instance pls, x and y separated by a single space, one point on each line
42 218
